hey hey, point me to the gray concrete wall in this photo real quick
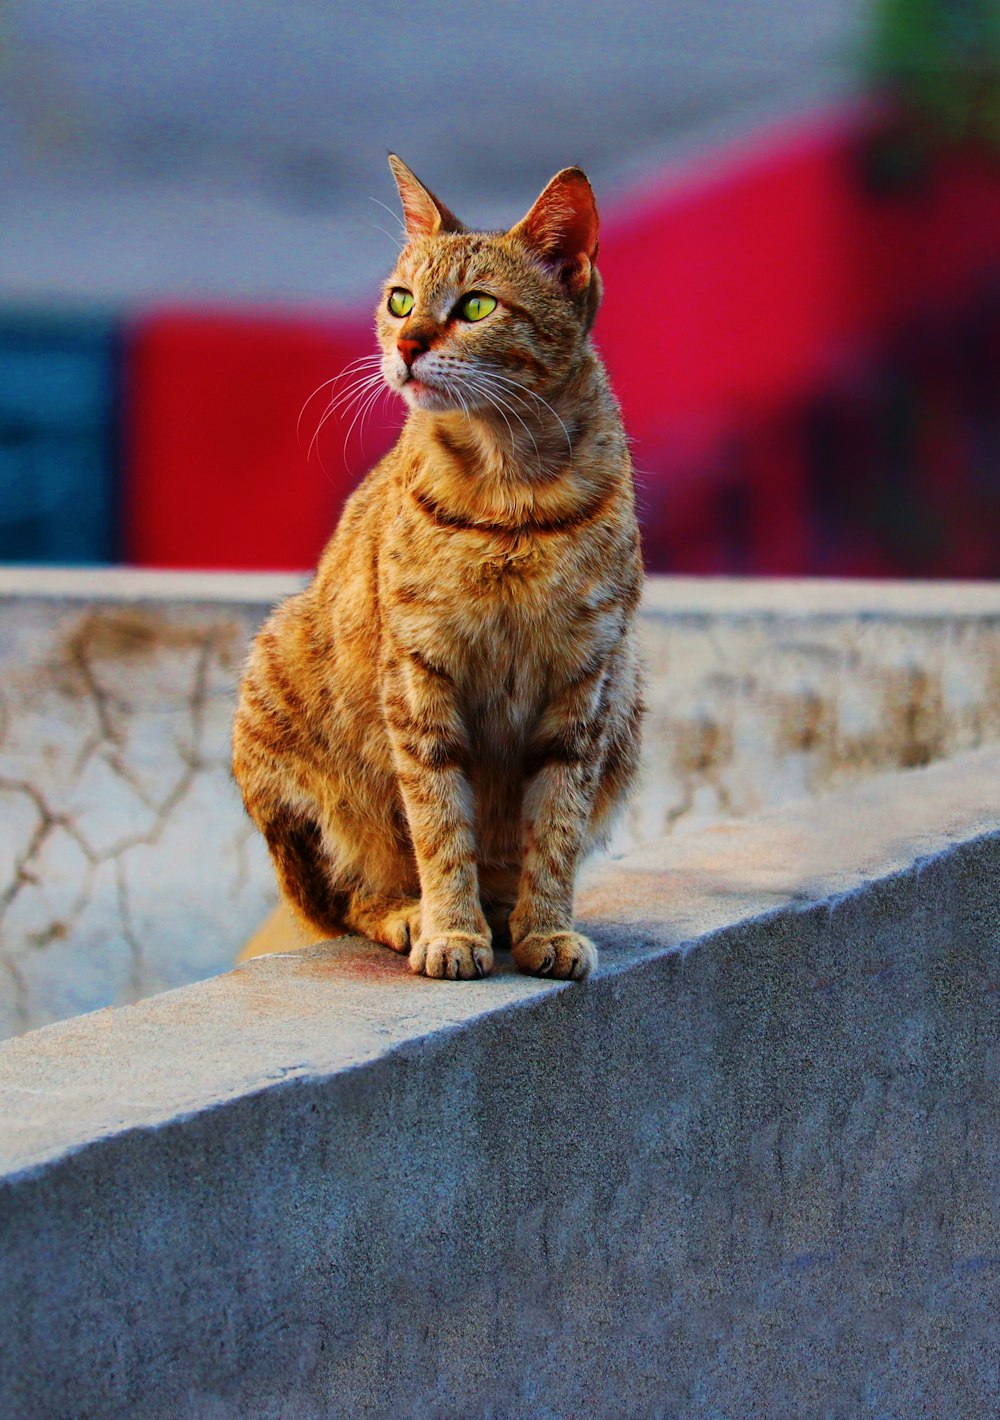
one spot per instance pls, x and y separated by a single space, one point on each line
750 1168
126 863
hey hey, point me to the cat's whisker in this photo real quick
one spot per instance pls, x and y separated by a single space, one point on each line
348 369
371 358
502 408
369 370
394 215
369 407
362 382
368 400
523 391
486 394
357 395
395 240
357 391
465 407
309 400
493 396
490 377
330 409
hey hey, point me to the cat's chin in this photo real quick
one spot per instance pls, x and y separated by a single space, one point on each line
429 397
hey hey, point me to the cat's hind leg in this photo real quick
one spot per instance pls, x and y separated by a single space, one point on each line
303 867
306 874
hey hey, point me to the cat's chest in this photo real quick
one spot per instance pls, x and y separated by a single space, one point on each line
519 586
503 688
510 615
509 656
515 610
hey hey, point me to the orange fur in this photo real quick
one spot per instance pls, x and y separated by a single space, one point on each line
435 731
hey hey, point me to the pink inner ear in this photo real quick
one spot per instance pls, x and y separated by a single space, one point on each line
419 215
563 222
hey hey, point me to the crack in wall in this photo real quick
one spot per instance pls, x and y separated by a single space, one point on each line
21 877
75 669
137 974
47 821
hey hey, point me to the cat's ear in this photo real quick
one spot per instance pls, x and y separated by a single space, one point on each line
423 213
562 228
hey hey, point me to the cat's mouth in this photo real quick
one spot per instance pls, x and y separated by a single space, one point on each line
420 394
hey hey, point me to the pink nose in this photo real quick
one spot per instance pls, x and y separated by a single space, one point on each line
410 349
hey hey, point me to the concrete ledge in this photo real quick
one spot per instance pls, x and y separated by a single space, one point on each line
751 1168
141 584
711 596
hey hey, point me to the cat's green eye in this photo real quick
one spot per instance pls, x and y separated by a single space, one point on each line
400 301
477 305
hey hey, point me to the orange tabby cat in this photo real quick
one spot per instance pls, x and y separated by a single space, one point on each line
435 731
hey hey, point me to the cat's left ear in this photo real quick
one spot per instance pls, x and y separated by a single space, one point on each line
424 214
562 228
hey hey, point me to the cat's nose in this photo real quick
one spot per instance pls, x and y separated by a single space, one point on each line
410 348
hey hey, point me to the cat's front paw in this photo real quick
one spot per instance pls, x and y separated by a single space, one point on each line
457 956
567 956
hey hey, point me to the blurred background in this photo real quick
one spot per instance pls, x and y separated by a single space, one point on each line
804 197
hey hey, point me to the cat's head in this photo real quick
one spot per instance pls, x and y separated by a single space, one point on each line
481 320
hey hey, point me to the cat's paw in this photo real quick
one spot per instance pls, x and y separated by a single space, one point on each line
393 921
453 955
400 928
567 956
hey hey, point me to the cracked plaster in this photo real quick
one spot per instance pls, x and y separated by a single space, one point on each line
128 864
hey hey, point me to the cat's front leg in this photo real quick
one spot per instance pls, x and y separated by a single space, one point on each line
430 747
560 778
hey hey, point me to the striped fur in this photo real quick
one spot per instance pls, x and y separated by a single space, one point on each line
435 731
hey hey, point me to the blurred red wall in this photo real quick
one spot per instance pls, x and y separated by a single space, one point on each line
737 297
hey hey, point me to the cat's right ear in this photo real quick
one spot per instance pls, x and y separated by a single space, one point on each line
424 214
562 228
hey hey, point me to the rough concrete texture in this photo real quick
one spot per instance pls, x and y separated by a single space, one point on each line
751 1168
126 863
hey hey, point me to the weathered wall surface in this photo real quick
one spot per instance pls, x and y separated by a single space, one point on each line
751 1168
127 865
762 693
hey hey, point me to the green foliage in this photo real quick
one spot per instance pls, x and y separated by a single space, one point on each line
942 60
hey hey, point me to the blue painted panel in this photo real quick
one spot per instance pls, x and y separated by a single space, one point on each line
59 410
